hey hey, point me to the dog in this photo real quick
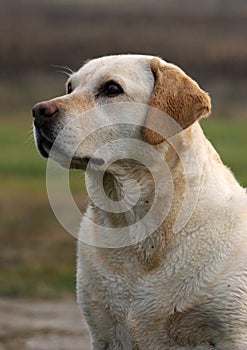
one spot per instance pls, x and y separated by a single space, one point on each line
179 283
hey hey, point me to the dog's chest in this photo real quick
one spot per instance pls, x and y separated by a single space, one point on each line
113 276
121 273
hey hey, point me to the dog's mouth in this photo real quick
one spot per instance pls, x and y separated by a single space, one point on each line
45 145
83 162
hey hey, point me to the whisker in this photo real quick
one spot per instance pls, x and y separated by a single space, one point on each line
65 69
29 140
64 72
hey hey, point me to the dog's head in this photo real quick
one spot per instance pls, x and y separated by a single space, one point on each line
102 89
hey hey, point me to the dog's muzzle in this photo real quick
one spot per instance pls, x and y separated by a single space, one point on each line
46 115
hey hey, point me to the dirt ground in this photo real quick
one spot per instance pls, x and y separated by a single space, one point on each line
42 325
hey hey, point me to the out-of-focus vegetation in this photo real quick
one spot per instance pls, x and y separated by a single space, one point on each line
208 41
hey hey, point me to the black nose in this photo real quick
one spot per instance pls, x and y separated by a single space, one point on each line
44 109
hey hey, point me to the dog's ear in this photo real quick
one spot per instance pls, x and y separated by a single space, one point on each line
177 96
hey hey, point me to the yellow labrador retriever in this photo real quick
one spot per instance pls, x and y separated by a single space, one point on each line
178 285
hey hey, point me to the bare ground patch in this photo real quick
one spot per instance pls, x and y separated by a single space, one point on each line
31 324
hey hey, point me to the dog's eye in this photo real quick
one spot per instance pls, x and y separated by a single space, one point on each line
69 88
112 89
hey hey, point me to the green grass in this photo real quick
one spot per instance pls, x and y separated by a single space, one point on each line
229 137
21 167
37 255
45 281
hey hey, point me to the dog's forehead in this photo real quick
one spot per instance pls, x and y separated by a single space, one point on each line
126 65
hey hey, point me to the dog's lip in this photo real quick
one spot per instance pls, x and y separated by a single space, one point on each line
45 145
88 159
44 148
95 161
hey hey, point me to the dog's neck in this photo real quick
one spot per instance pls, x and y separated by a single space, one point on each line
192 181
127 178
149 245
130 184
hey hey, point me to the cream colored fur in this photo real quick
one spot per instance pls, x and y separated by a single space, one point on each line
176 290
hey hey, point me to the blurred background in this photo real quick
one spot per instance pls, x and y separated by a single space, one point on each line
207 39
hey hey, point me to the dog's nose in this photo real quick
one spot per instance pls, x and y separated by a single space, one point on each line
44 109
